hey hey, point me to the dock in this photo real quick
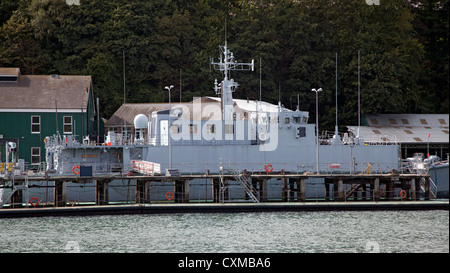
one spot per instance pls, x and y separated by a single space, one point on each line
223 208
341 192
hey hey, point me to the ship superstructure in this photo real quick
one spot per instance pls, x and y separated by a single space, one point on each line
203 135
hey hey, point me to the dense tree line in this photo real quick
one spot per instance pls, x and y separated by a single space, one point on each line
403 47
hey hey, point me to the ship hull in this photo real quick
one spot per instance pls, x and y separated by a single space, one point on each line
209 158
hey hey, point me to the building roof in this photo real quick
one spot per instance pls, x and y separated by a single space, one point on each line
211 110
127 112
9 71
41 91
405 128
405 120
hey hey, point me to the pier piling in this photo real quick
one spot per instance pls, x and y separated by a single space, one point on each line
338 187
181 191
17 199
376 189
102 192
142 191
284 189
302 189
427 189
215 189
60 194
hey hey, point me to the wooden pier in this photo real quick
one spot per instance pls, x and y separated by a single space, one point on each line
223 208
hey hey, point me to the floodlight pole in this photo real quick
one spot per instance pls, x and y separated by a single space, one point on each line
170 137
317 127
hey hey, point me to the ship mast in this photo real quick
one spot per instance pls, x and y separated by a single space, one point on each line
228 86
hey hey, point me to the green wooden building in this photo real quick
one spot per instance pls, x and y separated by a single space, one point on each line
35 106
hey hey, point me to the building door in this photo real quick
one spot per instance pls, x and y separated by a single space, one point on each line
164 132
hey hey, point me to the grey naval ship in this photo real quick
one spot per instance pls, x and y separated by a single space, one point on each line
209 134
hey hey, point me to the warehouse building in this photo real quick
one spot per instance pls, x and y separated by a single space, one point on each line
416 133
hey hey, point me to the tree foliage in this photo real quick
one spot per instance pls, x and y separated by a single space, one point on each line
403 47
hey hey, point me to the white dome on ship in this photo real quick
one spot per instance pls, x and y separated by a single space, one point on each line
140 121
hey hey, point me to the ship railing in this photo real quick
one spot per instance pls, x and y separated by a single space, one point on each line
326 138
381 140
287 168
23 168
419 166
120 140
114 168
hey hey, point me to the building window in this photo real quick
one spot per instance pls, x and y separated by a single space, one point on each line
35 155
127 131
67 124
35 124
210 129
229 129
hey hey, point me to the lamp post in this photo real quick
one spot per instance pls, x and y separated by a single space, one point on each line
170 137
317 127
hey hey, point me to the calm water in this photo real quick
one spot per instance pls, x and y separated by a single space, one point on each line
389 231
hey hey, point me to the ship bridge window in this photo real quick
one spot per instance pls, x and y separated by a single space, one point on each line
229 128
296 119
301 132
287 120
192 129
210 129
